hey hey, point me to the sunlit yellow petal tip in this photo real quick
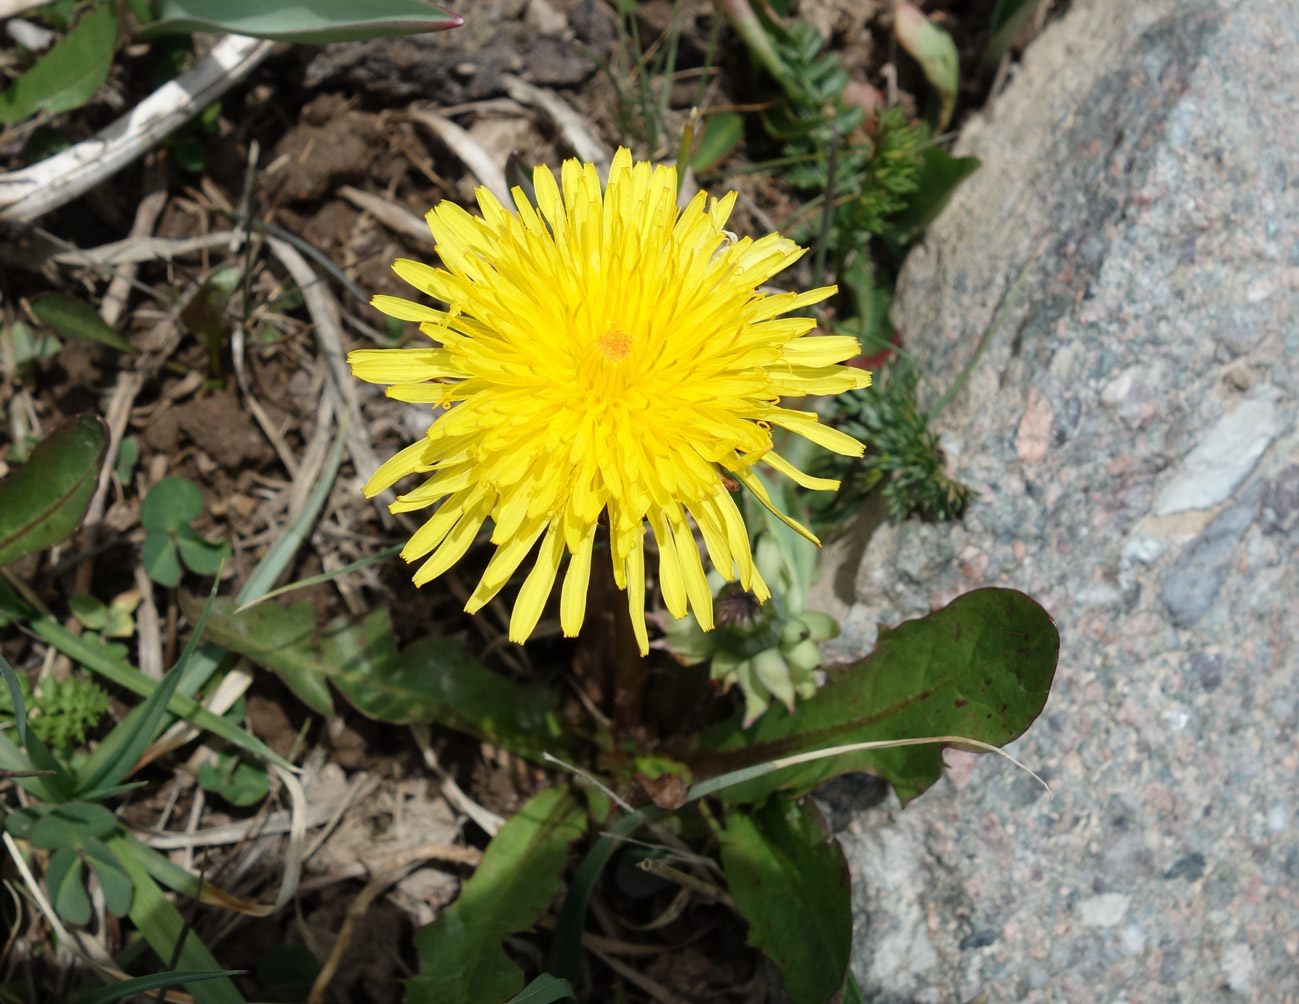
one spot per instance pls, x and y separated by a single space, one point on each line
606 358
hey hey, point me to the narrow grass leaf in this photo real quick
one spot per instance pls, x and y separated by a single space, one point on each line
143 984
15 697
77 319
118 754
545 989
566 946
43 502
61 782
15 760
315 580
162 927
174 877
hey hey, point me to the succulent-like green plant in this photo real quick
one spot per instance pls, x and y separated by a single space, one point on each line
60 712
768 649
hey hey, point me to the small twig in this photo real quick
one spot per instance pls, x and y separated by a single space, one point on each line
278 821
488 821
96 956
293 854
361 787
427 852
698 886
272 434
195 814
572 126
12 8
128 386
324 312
355 912
478 161
592 780
390 215
307 473
146 217
148 628
56 181
652 987
133 251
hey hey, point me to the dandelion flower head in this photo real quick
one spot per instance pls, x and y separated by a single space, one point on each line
603 357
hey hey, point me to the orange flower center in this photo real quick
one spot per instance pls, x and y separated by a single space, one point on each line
614 345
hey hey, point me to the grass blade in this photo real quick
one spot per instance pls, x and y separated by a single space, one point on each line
143 984
281 552
163 927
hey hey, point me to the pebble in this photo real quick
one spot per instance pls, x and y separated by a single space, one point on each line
1221 460
1238 967
1105 910
1132 940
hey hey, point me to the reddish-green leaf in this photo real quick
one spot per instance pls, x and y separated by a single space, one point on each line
979 668
43 502
317 21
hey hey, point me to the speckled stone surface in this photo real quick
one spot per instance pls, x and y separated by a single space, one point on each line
1132 432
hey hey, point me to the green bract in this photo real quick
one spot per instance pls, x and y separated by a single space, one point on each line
768 650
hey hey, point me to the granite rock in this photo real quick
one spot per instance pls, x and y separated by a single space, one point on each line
1132 436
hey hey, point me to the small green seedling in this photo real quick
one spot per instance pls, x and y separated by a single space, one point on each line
112 620
128 455
61 712
238 780
27 346
171 505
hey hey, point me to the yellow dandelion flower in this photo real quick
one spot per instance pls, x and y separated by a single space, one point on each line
606 358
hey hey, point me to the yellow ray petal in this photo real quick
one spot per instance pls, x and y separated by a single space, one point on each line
572 599
537 586
750 480
779 463
507 558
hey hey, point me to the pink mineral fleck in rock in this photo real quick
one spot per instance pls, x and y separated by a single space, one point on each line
1034 435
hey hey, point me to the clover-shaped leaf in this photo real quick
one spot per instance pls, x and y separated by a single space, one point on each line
171 505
